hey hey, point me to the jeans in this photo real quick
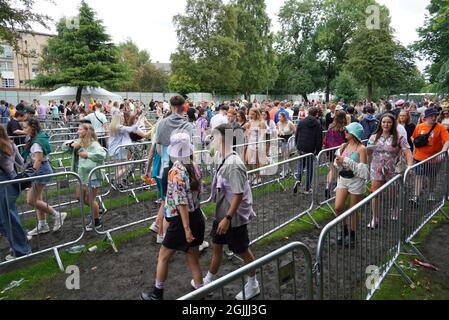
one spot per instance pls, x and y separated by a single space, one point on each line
306 163
10 225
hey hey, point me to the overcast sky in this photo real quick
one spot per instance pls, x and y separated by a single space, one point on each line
149 22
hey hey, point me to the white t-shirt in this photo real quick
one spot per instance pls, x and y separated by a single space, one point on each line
403 133
98 125
290 113
36 148
421 110
218 120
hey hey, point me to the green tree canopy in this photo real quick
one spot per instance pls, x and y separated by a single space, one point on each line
18 16
81 57
434 44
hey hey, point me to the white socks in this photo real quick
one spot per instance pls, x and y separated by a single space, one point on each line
210 277
252 281
42 224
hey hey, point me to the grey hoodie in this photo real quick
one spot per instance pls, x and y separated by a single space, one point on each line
171 125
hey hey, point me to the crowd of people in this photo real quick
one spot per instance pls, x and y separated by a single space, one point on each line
366 143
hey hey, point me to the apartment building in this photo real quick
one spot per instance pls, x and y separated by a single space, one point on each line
18 67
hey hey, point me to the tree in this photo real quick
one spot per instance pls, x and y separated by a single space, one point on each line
346 87
142 75
81 57
298 65
18 16
341 19
434 44
208 52
257 64
373 60
183 84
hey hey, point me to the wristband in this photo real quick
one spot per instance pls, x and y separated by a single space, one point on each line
229 218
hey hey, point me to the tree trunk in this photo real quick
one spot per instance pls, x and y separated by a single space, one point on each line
304 96
79 91
370 91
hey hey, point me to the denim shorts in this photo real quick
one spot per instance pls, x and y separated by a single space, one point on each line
44 170
94 184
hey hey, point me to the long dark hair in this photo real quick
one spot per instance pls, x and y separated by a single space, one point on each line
35 130
195 183
393 131
5 143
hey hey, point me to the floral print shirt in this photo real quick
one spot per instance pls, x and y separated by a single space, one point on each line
179 192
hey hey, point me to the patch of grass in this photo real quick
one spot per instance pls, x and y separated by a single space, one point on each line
427 288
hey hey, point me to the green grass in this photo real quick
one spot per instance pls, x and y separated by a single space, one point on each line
427 286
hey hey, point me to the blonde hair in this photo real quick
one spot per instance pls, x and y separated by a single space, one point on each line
90 137
116 122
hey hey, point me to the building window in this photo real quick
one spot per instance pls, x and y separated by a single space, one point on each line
8 83
6 66
34 70
6 52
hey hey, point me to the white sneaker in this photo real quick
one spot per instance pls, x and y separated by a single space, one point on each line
205 283
59 221
160 239
42 230
204 246
10 257
250 292
154 227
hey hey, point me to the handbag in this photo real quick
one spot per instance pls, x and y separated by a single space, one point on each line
27 173
423 139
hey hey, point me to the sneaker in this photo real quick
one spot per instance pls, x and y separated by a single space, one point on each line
205 283
307 192
10 257
154 227
250 292
297 185
90 227
156 295
42 230
342 235
204 246
350 240
59 221
160 239
414 201
374 224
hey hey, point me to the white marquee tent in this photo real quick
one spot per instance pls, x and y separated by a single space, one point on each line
69 93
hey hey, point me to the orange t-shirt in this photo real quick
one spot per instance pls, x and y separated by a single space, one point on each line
436 141
273 113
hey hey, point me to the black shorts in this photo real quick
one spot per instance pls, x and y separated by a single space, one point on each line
165 181
175 238
237 239
428 170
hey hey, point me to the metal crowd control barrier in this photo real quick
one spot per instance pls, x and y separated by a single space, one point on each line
293 273
426 186
72 230
135 151
123 212
353 258
325 178
272 190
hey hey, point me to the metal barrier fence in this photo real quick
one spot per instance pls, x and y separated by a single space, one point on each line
120 210
325 178
271 190
355 252
15 203
426 185
283 275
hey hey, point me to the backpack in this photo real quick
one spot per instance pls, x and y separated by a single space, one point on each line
369 128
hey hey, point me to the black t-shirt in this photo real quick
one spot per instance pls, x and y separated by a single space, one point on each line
61 109
13 126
